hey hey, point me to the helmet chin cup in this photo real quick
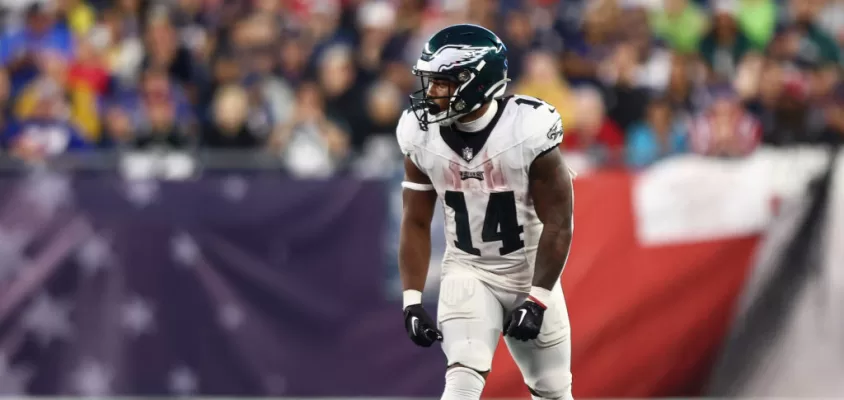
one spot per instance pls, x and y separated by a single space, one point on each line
434 108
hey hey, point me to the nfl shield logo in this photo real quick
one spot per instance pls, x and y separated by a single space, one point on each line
467 153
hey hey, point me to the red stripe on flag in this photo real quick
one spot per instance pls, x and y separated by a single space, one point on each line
646 321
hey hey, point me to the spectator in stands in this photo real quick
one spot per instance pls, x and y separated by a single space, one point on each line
586 50
542 80
21 48
88 69
123 51
383 110
831 20
164 51
652 60
162 130
787 118
803 41
295 53
681 24
408 37
725 128
622 77
312 144
265 109
80 16
683 84
746 80
379 155
45 130
375 21
757 19
270 97
224 70
161 114
82 112
519 35
593 132
660 135
723 48
760 85
338 79
118 131
194 21
230 127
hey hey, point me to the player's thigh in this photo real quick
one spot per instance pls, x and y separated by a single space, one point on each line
545 362
470 318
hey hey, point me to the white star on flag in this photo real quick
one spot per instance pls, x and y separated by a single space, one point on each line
234 188
11 247
48 191
231 316
13 380
184 249
94 255
142 192
138 316
92 379
48 319
182 381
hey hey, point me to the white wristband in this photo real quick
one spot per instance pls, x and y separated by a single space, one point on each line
411 297
540 296
420 187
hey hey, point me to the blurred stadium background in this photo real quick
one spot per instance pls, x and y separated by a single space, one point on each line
200 197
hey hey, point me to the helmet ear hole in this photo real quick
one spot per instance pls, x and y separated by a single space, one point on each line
459 105
464 76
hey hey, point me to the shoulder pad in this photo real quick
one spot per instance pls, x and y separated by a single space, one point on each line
410 136
406 131
542 127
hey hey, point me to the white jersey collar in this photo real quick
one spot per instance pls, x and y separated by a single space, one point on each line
480 123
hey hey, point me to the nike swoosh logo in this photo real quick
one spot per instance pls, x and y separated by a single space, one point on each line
522 318
413 322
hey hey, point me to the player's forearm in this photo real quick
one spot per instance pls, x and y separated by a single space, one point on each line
552 252
414 255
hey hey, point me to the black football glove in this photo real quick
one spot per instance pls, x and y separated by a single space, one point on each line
420 327
525 321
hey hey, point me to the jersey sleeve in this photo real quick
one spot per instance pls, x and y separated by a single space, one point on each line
402 135
544 133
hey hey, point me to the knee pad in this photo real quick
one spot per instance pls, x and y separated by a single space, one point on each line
470 353
553 385
463 383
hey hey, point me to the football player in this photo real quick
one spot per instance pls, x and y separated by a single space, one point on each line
494 162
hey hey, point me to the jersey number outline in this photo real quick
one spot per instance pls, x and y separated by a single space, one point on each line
501 223
535 104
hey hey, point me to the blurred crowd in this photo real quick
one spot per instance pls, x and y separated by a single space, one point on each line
321 83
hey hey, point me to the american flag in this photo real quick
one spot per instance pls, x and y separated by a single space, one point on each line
231 284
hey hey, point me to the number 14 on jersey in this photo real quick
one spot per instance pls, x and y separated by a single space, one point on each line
501 223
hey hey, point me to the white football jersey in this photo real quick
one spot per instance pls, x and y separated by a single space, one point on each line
490 221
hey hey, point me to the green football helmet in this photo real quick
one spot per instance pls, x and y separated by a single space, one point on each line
472 57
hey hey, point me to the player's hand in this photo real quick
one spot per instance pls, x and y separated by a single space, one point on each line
420 327
525 321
